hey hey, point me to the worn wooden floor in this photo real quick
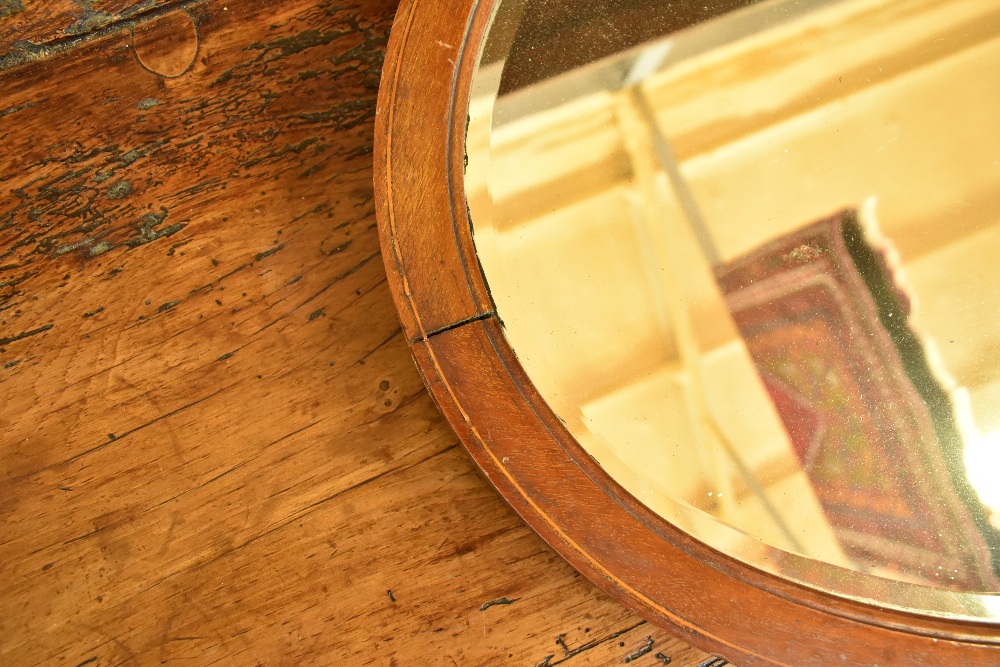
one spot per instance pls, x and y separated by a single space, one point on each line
214 445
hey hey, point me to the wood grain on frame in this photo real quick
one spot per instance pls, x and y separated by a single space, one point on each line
419 147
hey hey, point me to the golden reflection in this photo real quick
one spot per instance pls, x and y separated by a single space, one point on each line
750 265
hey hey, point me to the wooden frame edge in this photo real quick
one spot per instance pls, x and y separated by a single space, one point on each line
416 149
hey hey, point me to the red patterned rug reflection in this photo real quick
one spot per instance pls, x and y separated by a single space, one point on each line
826 327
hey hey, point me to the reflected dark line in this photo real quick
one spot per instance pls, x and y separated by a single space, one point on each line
668 162
449 149
754 485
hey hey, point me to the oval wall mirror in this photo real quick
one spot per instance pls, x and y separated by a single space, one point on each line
706 289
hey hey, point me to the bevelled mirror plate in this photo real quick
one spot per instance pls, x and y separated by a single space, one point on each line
748 252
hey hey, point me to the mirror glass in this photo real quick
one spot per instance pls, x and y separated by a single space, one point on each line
749 253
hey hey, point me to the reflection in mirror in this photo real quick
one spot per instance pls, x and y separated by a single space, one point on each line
746 252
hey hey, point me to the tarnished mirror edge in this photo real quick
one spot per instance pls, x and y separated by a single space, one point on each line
445 308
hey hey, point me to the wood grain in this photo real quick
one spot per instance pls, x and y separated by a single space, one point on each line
213 441
32 29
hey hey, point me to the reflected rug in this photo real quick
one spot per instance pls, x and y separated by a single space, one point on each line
826 326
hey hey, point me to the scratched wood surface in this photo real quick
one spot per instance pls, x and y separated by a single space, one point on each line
214 445
33 29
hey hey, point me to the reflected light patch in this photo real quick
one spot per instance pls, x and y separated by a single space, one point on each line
982 461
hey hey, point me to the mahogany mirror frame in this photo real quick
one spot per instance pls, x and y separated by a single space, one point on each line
705 597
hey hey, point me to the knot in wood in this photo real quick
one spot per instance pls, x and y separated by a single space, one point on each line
166 45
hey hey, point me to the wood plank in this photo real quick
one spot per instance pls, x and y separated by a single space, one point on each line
213 441
30 29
